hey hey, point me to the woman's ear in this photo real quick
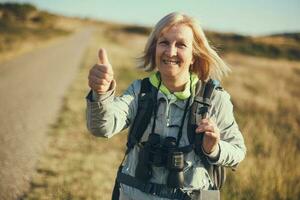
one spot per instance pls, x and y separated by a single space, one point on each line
193 60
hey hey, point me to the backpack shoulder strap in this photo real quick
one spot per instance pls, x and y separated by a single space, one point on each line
143 114
193 117
201 104
137 129
200 108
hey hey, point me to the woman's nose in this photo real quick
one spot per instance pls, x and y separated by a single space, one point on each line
171 51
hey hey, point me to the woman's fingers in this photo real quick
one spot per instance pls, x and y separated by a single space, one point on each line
98 84
211 134
206 121
103 69
209 128
100 72
204 128
99 79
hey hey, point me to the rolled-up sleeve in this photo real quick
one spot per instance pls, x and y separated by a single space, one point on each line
107 115
231 146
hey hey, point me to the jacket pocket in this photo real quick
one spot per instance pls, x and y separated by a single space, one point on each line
196 177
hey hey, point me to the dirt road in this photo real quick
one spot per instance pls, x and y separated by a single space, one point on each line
32 88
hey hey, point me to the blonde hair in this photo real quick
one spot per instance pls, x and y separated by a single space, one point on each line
207 62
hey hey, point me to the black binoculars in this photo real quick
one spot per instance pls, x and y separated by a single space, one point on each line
161 154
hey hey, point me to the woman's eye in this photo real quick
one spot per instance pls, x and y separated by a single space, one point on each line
163 42
181 45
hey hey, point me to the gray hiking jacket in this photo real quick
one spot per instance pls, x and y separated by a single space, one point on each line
107 115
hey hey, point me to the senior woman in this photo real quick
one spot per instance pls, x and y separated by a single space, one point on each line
163 160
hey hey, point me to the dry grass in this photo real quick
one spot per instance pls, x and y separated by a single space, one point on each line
266 97
265 93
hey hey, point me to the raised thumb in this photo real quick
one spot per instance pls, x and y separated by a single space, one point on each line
102 57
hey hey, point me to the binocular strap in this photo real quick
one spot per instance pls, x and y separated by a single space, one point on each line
155 189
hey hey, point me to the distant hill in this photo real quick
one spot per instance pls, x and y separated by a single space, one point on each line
20 21
12 12
285 45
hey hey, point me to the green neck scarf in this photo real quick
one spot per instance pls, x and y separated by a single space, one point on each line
182 95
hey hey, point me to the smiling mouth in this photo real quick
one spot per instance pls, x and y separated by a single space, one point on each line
170 62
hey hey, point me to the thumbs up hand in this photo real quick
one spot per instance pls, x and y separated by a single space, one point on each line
101 75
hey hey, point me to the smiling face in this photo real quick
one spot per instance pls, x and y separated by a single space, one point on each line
174 52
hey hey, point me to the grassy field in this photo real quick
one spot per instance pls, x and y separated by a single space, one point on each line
265 94
23 27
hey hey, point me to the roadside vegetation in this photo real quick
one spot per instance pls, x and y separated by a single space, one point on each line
23 27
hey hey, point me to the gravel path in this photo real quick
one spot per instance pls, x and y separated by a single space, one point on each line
32 87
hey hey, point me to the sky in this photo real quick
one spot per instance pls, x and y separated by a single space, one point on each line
247 17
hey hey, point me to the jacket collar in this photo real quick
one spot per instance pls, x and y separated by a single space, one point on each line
182 95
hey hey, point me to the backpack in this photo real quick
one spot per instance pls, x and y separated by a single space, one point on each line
200 107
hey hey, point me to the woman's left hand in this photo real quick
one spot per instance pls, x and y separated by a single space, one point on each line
211 133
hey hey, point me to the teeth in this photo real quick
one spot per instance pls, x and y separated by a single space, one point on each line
172 62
